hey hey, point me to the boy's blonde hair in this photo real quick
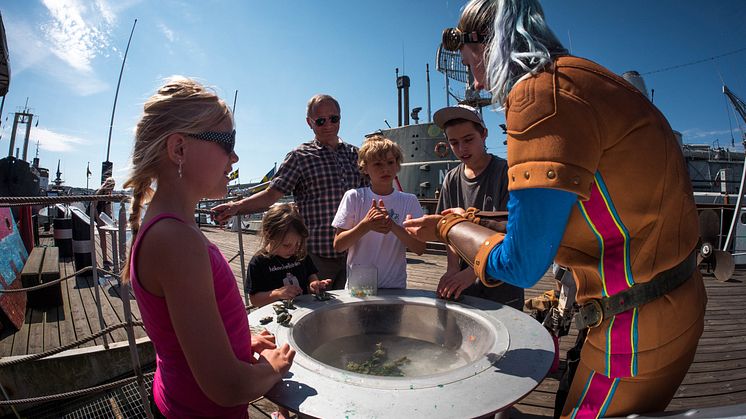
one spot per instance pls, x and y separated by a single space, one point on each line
377 147
180 105
278 220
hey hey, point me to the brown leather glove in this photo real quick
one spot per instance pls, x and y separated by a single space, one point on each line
471 241
494 220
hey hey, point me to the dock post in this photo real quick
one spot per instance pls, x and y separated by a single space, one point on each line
237 221
94 271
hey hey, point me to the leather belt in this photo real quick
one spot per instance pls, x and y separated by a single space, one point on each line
593 313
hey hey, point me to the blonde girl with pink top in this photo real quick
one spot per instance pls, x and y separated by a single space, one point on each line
208 363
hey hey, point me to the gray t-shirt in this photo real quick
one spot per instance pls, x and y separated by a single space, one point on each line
488 192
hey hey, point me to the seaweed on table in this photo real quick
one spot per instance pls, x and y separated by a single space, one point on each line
378 365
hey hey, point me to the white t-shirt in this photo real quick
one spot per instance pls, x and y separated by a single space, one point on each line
384 251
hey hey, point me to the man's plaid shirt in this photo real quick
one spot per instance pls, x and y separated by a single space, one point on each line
318 177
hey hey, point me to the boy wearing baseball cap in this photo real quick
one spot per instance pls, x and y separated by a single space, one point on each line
480 181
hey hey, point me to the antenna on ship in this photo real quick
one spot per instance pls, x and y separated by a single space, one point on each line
449 63
107 167
427 75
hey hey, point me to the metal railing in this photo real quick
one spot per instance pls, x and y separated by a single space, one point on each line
94 269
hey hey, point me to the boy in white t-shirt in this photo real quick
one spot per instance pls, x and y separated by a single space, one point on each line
368 220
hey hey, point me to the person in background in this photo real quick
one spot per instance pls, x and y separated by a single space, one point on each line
481 182
597 179
368 221
104 207
317 173
206 363
281 269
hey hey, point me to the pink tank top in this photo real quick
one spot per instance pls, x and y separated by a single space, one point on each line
175 390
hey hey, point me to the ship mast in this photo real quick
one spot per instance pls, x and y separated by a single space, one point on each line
740 107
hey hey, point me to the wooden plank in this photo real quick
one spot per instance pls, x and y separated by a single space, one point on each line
117 298
88 304
51 328
110 313
36 332
32 266
65 322
20 339
77 307
50 271
6 342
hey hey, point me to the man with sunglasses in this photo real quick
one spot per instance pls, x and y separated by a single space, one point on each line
317 173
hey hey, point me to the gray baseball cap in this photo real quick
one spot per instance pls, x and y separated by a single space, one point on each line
466 112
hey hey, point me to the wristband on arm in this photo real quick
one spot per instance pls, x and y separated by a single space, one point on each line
472 242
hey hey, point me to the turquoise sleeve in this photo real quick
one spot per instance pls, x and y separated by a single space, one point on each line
536 223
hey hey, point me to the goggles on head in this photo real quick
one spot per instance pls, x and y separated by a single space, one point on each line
226 140
454 39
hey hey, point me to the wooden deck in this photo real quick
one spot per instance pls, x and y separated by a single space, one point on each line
716 378
75 319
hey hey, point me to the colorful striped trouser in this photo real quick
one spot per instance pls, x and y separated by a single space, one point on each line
593 395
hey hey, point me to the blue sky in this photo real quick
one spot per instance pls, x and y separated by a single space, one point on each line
66 56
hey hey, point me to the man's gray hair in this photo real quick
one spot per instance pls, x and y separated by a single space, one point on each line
318 99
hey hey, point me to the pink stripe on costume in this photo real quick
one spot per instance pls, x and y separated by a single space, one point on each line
596 397
621 335
612 256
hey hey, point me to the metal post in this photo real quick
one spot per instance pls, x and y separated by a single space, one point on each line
13 136
737 210
237 221
28 118
94 271
122 235
124 294
448 92
427 72
116 96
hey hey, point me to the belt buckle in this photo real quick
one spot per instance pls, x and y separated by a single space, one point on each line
589 312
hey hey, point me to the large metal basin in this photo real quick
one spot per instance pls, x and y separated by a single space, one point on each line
468 359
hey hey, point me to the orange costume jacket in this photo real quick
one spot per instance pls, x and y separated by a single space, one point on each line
580 128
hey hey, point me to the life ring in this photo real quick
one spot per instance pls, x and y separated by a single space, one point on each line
442 149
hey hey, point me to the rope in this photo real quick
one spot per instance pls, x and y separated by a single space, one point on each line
12 201
57 281
715 57
81 392
68 346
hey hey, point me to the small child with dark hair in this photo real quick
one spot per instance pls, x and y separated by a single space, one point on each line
281 269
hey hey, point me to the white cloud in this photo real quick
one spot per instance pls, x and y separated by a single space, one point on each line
56 142
167 32
106 11
77 33
30 50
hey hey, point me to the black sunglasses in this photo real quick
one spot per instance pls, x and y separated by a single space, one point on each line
226 140
454 39
321 121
